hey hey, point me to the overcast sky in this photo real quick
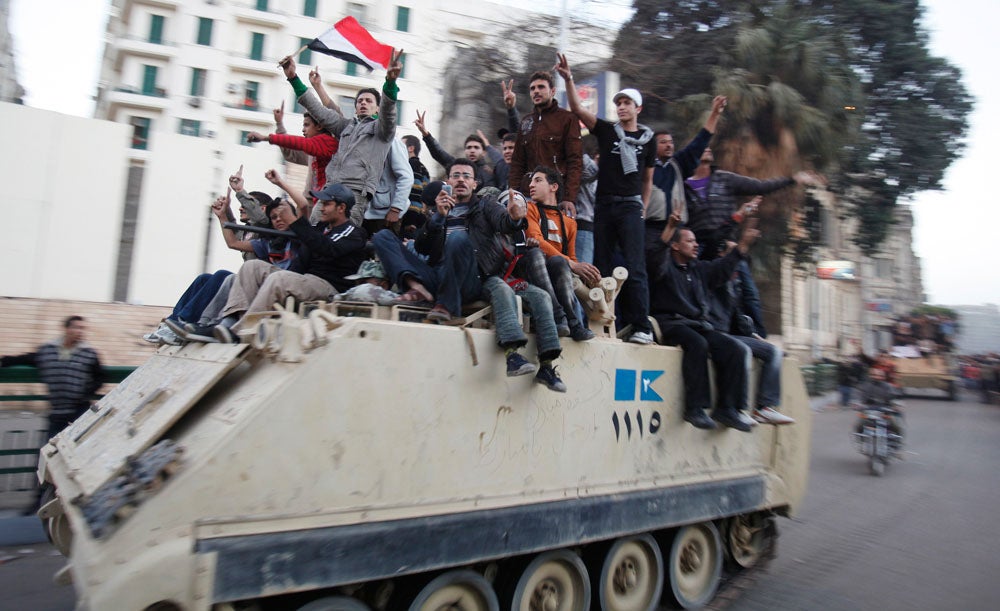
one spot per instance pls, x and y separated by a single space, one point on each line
955 231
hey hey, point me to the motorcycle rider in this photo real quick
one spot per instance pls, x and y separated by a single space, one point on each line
877 392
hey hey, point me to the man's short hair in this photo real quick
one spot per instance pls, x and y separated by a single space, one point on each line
662 132
262 198
306 115
474 138
467 162
677 234
542 75
552 177
371 90
510 137
72 319
413 141
277 202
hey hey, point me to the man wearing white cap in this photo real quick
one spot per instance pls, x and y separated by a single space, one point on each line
624 184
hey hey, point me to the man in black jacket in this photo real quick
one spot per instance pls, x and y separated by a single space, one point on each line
335 251
679 302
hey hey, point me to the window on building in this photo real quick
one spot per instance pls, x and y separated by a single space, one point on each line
306 56
883 268
140 132
198 76
251 95
243 138
156 29
261 5
205 31
399 112
256 46
358 11
190 127
351 69
346 106
149 80
309 8
403 18
402 71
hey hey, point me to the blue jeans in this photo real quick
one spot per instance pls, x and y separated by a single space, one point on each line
584 246
453 281
509 332
197 296
769 385
618 224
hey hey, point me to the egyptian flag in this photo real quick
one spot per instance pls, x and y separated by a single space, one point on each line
349 41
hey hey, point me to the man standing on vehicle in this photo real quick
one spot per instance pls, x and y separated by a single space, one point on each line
550 137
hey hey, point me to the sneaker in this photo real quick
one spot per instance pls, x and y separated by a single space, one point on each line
769 415
517 365
581 334
225 335
742 415
562 330
153 337
547 375
204 334
162 335
644 338
179 329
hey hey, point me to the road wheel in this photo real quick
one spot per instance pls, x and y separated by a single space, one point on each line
462 590
552 581
747 539
335 603
694 565
631 575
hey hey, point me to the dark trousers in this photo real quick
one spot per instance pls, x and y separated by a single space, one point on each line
699 344
453 281
618 224
197 296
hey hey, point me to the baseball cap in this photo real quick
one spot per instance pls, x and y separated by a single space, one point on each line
630 93
335 192
368 269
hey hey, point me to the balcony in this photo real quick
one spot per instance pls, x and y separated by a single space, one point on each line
140 47
161 4
242 63
249 14
247 113
132 97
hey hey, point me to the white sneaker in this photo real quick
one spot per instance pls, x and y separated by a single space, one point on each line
747 419
641 337
162 335
769 415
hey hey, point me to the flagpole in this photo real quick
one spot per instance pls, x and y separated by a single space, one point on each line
301 49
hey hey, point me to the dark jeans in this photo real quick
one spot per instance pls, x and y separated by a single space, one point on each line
618 224
453 281
552 275
728 354
198 295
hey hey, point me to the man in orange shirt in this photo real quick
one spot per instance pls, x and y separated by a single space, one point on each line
556 236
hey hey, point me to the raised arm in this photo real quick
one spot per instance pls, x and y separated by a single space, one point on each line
301 203
255 214
333 121
390 93
290 155
433 146
562 67
718 105
220 208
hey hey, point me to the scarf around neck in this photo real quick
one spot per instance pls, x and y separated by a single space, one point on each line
628 153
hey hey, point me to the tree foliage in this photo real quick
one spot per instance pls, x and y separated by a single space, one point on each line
848 87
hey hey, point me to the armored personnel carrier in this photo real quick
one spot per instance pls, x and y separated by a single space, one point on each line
350 458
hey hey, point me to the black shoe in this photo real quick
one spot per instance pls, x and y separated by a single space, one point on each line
581 333
731 418
517 365
204 334
547 375
225 335
698 419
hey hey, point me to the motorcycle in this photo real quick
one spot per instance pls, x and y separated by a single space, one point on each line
878 434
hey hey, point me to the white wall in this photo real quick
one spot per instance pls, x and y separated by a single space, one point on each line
63 194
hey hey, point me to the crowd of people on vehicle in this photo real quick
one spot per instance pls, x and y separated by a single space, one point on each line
525 220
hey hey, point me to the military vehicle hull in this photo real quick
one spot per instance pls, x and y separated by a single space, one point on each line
385 453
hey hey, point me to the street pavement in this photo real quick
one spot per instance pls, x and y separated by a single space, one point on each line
920 537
